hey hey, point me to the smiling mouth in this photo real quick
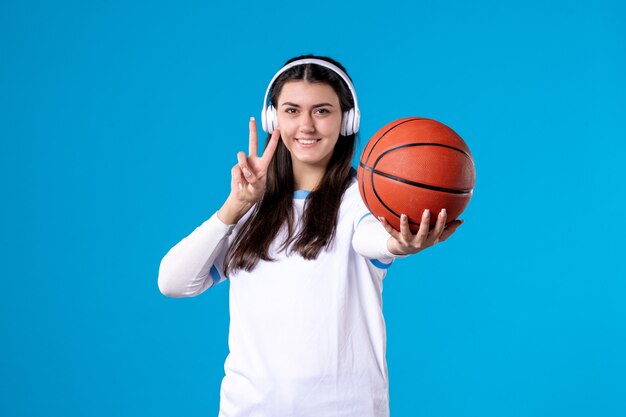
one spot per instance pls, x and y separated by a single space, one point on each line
308 141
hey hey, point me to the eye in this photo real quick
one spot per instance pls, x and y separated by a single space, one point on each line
323 110
291 110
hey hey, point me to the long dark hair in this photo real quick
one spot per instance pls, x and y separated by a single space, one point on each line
275 209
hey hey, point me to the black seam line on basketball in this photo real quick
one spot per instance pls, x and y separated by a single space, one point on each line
367 158
363 188
430 187
392 211
410 145
414 183
380 199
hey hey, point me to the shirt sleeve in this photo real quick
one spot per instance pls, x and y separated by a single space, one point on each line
195 263
370 241
370 237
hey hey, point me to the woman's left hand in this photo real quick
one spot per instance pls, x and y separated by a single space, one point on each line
404 242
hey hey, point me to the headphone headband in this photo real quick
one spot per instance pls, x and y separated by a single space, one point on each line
350 124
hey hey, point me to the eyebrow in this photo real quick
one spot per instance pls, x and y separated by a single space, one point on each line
288 103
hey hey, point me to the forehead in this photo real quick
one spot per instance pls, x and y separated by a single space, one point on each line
302 92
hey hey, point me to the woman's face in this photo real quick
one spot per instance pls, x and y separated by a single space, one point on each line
309 118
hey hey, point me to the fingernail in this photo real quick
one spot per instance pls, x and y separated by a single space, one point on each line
427 213
246 172
444 212
252 118
403 217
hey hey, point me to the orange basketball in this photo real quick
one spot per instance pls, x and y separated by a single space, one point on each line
414 164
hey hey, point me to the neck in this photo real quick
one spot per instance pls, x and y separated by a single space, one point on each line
307 177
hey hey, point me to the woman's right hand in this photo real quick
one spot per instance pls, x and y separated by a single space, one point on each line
250 173
248 177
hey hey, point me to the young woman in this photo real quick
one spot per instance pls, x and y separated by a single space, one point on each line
304 257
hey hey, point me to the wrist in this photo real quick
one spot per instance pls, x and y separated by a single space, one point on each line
398 251
233 210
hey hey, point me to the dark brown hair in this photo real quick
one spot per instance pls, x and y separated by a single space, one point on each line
275 209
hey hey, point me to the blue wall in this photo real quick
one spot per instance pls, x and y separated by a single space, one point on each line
119 122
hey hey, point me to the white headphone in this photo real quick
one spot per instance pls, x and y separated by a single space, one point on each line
351 118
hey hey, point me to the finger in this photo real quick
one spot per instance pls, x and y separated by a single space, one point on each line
242 162
253 146
393 232
405 230
422 233
270 149
237 181
450 229
440 226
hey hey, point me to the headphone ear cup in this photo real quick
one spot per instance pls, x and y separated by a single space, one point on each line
356 120
269 120
347 124
263 118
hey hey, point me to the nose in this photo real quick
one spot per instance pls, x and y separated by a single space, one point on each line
307 123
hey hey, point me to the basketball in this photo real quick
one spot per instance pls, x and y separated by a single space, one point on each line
413 164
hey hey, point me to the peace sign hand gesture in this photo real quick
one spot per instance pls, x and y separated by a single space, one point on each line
248 177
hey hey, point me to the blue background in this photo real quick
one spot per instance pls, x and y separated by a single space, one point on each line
120 122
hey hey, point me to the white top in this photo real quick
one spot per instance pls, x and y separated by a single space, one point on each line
307 338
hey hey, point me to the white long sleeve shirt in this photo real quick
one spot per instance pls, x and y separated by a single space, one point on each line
306 338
